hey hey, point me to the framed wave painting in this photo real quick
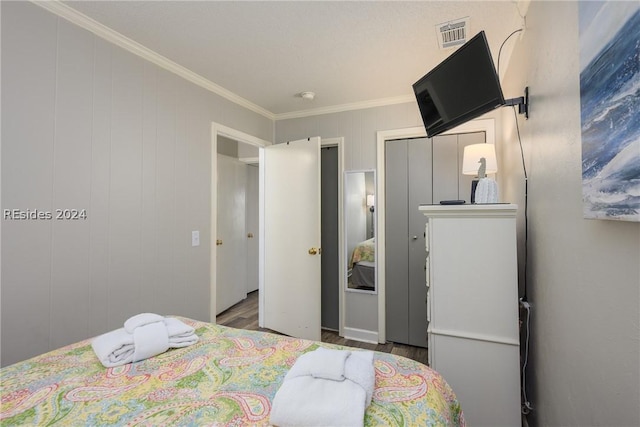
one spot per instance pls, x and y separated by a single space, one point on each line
610 109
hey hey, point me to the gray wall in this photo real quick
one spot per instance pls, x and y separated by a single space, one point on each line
87 125
584 275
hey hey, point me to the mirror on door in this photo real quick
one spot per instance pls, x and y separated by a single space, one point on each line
360 230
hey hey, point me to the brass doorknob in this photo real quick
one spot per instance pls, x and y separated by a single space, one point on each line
250 235
313 251
218 242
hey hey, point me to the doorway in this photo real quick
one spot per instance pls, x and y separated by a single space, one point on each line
237 223
232 238
224 136
221 133
330 261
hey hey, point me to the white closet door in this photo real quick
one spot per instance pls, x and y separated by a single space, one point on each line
291 293
231 253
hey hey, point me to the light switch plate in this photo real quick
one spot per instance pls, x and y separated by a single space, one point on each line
195 238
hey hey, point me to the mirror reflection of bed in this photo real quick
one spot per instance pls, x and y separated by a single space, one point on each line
359 206
362 266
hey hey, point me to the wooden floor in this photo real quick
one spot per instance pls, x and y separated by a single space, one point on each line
244 315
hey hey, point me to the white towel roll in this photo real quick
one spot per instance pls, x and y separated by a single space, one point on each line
150 339
331 364
305 399
150 335
141 319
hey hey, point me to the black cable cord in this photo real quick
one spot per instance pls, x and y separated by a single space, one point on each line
502 45
526 179
526 208
525 405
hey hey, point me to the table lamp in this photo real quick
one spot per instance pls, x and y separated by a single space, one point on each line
480 160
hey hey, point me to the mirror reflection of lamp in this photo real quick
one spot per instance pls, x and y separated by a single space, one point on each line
480 160
371 202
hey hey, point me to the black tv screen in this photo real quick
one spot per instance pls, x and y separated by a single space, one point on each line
462 87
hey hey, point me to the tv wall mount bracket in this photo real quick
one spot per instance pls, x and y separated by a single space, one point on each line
522 103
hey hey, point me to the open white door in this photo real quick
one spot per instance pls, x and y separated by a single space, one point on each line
291 263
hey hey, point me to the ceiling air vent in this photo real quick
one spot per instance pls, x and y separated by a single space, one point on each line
452 33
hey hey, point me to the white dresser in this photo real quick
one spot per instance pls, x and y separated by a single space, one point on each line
472 308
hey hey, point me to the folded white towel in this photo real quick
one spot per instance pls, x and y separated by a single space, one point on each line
332 364
141 319
321 363
359 369
149 340
150 335
307 400
180 334
114 348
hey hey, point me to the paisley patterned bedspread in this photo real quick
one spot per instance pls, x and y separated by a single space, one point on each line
365 251
228 378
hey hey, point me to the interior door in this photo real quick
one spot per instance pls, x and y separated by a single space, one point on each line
231 272
291 292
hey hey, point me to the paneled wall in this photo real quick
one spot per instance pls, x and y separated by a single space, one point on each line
89 126
583 275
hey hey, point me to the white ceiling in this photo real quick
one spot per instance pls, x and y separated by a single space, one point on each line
267 52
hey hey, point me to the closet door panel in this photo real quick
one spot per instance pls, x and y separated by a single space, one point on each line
396 245
445 168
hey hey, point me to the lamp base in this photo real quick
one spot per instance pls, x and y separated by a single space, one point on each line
474 184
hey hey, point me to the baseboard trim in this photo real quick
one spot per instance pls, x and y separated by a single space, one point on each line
363 335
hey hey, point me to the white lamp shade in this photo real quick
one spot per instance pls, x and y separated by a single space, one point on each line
371 200
472 155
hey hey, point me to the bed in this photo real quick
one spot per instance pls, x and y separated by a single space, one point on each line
228 378
362 265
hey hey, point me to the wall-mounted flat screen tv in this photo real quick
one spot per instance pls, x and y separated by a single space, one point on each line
462 87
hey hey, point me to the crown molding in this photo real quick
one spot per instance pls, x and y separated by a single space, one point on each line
83 21
382 102
66 12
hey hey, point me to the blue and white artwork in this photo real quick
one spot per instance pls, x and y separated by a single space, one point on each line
610 109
